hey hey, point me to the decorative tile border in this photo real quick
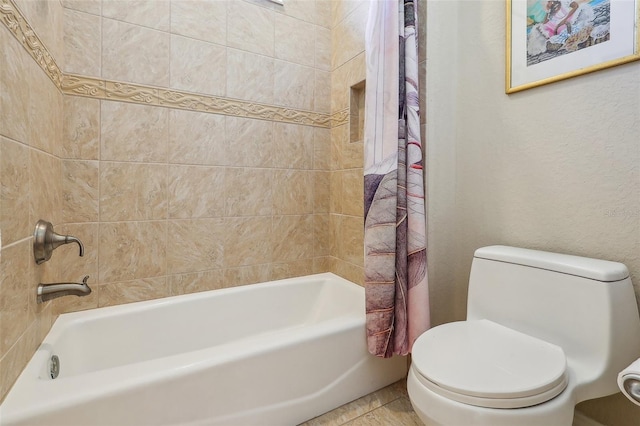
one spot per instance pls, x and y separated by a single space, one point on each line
126 92
77 85
22 31
339 118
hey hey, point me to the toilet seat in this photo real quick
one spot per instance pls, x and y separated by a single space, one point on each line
485 364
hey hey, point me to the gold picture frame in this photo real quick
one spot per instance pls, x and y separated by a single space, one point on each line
552 40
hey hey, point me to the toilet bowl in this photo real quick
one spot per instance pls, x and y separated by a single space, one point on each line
544 331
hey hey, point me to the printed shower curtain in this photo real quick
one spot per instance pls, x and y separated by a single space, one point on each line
397 296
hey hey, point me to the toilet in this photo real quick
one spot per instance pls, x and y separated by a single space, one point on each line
544 331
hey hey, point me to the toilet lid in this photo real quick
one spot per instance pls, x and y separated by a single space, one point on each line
486 364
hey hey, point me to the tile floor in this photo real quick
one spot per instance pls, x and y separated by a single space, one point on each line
388 406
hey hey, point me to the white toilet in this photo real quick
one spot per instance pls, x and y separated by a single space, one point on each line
544 331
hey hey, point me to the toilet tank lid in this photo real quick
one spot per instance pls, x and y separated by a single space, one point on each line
595 269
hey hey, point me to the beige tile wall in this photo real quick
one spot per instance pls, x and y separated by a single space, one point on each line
168 195
345 219
30 184
169 201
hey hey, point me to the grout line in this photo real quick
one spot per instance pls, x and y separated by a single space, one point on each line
99 226
17 242
132 23
101 40
397 397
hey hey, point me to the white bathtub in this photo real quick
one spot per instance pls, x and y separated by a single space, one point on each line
276 353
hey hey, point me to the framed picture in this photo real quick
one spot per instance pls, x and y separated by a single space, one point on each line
552 40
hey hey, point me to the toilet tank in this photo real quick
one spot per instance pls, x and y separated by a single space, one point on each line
586 306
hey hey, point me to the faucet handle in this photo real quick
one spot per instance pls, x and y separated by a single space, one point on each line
45 240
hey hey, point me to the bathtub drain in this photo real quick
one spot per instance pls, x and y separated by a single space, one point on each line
54 366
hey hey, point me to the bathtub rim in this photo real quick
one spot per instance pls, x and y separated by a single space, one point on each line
143 305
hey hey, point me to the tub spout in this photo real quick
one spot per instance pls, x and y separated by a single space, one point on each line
54 290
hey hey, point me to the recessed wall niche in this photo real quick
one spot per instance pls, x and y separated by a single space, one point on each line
356 112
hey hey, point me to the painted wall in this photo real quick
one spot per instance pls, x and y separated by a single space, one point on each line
553 168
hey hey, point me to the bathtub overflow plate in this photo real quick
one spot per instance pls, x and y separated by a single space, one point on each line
54 366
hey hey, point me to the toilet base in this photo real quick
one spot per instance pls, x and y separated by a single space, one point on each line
434 409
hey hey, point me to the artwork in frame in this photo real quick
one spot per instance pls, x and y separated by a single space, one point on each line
552 40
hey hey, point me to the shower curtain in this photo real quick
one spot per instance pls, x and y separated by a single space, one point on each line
397 296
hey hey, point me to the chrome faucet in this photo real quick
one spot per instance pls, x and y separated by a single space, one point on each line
54 290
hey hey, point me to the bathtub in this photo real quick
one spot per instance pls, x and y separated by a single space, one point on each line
275 353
